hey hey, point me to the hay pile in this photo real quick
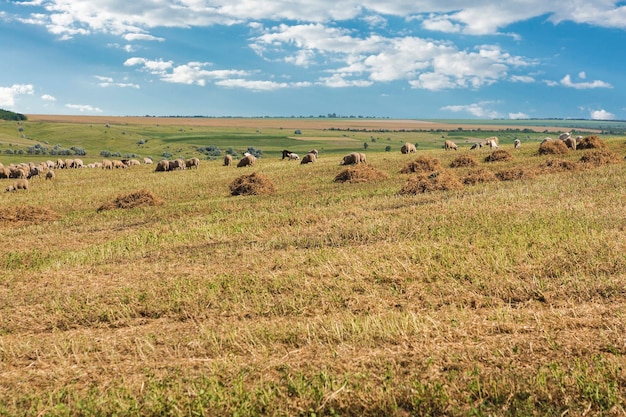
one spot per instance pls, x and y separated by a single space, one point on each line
478 176
513 174
555 165
464 160
598 157
140 198
436 181
361 173
591 142
26 215
422 164
252 184
499 155
553 147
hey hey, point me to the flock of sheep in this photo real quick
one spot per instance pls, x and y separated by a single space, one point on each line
24 171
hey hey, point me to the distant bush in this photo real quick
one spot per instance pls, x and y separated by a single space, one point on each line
256 152
210 151
78 151
9 115
37 149
167 155
105 154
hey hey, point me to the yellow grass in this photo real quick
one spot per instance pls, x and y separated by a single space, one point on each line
322 298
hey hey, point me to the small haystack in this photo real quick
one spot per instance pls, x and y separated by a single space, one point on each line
253 184
140 198
556 165
361 173
436 181
591 142
499 155
598 157
513 174
479 175
464 160
553 147
26 215
422 164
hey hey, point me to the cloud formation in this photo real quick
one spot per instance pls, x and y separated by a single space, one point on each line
9 94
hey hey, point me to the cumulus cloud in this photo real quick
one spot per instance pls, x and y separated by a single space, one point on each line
602 115
475 109
48 97
84 108
567 82
516 116
9 94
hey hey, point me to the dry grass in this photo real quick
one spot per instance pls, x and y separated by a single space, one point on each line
252 184
423 163
480 175
553 147
462 161
361 173
504 299
499 155
139 198
516 173
26 214
556 165
591 142
435 181
599 157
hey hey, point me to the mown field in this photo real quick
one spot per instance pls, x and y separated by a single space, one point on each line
506 297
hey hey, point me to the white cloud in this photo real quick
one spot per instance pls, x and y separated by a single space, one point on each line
257 85
567 82
476 109
9 94
83 108
517 116
602 115
48 97
142 37
110 82
522 79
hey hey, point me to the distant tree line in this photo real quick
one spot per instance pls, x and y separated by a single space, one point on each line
9 115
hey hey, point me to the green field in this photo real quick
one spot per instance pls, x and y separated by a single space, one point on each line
322 298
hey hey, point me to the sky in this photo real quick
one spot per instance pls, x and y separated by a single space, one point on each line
401 59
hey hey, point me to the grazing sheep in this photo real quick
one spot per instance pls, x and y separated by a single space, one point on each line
60 164
286 153
162 166
107 164
565 136
118 164
517 143
5 172
351 159
294 156
492 140
447 145
147 161
192 163
20 184
246 161
308 158
68 163
33 172
363 158
77 163
50 175
18 172
475 146
570 142
408 148
314 152
228 160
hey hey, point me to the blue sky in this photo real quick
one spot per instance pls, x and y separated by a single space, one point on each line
417 59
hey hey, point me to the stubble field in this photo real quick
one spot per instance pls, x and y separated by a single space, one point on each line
322 298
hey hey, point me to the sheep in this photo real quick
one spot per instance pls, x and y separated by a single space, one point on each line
77 163
363 158
107 164
5 172
286 153
68 163
477 145
60 164
565 136
228 160
517 143
308 158
294 156
50 175
18 172
177 163
33 172
20 184
118 164
351 159
247 160
314 152
570 142
192 163
162 165
492 140
408 148
147 161
450 145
